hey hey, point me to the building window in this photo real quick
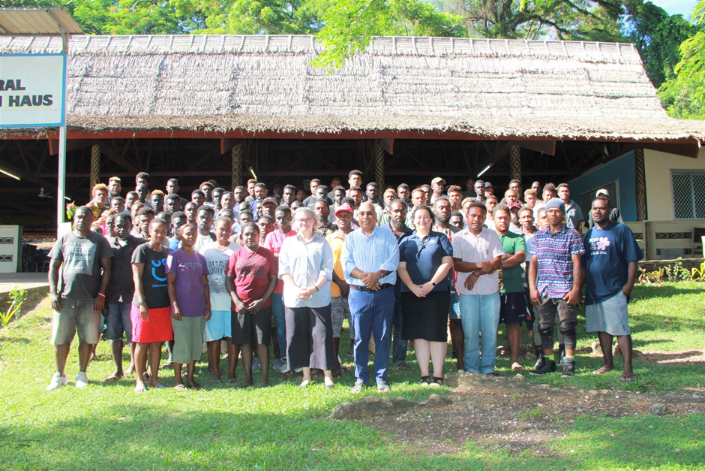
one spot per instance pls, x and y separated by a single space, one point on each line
688 194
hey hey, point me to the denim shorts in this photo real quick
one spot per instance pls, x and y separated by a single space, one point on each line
119 322
76 315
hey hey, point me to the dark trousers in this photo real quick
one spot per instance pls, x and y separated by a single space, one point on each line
568 315
372 314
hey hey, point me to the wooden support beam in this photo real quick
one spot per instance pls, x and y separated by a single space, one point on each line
117 157
71 144
227 143
544 147
685 150
388 145
27 176
494 156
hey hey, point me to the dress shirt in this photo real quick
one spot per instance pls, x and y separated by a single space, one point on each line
305 262
474 249
378 251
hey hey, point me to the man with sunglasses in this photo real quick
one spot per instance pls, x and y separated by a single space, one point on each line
370 259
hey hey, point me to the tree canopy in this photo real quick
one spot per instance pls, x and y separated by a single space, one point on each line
684 94
658 37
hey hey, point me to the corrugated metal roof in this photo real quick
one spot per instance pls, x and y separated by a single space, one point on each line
36 22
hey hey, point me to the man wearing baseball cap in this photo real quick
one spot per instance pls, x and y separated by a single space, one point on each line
437 185
554 284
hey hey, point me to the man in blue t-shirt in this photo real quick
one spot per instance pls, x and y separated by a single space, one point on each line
609 269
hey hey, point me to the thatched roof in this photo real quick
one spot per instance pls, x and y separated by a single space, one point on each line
492 88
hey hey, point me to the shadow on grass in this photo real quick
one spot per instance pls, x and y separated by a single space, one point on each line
143 436
673 358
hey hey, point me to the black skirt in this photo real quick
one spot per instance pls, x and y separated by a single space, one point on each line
309 337
425 318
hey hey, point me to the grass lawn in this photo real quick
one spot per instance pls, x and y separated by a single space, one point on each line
108 426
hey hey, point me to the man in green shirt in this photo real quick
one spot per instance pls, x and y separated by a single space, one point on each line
511 287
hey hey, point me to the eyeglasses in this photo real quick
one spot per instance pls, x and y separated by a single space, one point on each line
305 220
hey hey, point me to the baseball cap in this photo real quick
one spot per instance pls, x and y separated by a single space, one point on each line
438 179
344 208
489 185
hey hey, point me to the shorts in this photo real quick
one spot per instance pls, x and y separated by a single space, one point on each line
454 309
608 316
156 329
512 309
340 309
188 339
119 322
76 315
249 328
218 327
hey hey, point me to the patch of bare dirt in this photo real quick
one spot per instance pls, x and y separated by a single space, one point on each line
502 412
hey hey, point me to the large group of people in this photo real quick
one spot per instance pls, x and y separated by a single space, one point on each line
287 266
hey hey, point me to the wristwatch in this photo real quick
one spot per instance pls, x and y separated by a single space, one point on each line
434 284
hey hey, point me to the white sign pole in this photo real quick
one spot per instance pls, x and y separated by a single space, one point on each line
61 191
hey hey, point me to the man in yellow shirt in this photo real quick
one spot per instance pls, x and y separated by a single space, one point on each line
339 287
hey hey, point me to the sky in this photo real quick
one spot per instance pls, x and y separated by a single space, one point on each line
675 7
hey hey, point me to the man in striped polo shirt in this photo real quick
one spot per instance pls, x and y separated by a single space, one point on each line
554 284
477 255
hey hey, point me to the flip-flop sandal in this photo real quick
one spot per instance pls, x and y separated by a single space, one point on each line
112 378
180 387
628 378
140 389
517 367
162 386
197 387
602 370
231 381
216 381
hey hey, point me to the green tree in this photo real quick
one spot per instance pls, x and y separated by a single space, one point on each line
252 16
658 37
535 19
684 95
119 16
350 25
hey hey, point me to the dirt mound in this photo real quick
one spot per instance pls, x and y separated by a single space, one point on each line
502 412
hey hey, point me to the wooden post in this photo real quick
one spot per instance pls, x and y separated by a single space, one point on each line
379 165
236 174
95 166
515 163
642 212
